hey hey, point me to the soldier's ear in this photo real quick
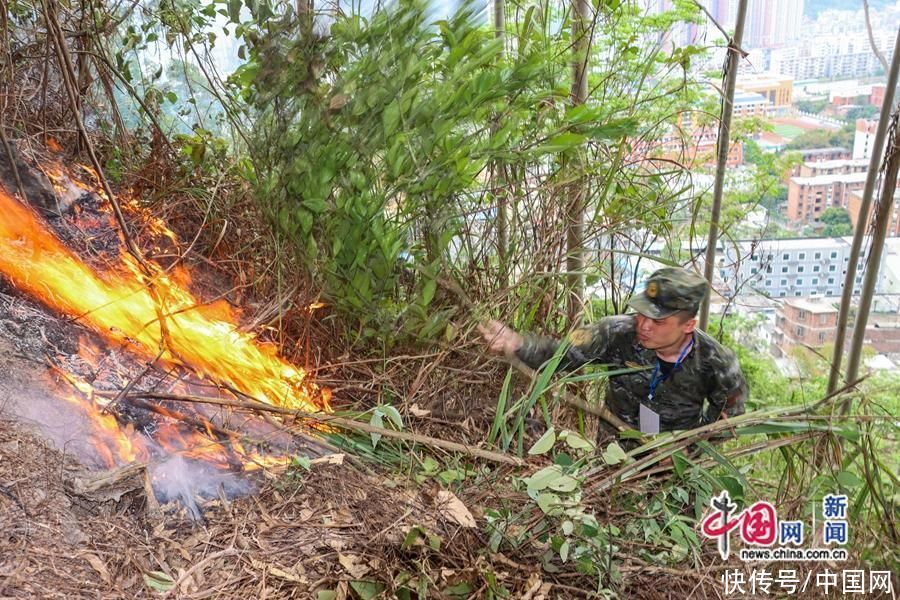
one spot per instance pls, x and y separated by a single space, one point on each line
689 325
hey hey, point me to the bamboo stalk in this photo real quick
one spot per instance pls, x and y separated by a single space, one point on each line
337 421
731 68
882 219
865 206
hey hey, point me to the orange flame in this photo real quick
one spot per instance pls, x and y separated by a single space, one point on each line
126 305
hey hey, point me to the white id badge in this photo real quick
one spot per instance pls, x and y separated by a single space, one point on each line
649 420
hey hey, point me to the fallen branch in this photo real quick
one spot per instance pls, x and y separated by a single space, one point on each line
341 422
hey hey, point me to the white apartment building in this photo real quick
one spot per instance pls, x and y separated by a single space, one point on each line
803 267
830 56
864 138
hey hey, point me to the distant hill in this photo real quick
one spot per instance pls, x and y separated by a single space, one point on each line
812 8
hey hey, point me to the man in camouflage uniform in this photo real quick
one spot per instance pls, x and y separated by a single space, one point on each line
683 378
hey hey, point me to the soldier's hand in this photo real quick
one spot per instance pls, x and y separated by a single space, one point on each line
499 338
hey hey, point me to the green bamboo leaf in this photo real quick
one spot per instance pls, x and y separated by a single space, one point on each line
234 11
159 581
848 479
391 118
428 290
377 421
499 424
561 142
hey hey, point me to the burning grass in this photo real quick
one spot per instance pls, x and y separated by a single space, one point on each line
142 310
155 315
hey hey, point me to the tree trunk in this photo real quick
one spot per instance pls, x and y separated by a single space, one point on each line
731 67
500 187
581 17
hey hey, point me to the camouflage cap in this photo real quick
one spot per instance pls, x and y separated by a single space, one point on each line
669 291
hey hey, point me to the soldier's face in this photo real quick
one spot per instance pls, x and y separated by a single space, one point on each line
663 334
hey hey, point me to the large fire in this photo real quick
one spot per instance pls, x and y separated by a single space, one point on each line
154 315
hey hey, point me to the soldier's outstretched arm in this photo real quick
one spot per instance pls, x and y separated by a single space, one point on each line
584 344
499 338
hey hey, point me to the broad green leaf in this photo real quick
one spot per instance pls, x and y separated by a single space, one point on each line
367 589
583 113
564 483
326 595
575 441
547 501
234 11
568 527
315 205
393 414
428 291
544 443
564 552
614 454
543 478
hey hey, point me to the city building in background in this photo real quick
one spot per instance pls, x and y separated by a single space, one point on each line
787 268
809 197
863 138
854 205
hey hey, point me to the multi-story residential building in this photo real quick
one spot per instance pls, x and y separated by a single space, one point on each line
812 323
831 56
864 138
788 268
820 154
854 205
840 166
808 197
772 22
807 322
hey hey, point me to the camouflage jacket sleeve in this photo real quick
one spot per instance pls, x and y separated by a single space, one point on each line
585 344
729 388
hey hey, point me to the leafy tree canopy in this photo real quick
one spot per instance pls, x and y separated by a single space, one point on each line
824 138
837 222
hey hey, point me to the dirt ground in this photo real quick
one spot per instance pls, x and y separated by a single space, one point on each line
335 527
318 531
